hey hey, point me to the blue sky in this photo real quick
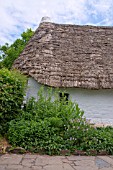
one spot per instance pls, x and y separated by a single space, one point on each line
18 15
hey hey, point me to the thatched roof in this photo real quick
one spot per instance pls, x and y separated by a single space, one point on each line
69 56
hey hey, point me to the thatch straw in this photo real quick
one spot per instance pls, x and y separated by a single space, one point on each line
69 56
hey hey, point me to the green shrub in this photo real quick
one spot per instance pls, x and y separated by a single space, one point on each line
12 87
52 126
99 139
35 136
47 125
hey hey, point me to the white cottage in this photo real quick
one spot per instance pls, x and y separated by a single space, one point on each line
76 58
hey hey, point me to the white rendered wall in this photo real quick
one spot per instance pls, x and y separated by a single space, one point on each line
32 89
97 104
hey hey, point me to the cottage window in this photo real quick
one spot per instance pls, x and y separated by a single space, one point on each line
64 96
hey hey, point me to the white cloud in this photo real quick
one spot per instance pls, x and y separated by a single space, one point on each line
102 11
17 16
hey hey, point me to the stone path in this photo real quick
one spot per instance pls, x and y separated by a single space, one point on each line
44 162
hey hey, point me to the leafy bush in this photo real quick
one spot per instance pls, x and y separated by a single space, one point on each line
53 126
47 125
99 139
12 87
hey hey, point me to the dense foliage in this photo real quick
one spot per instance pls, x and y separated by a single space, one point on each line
12 87
54 126
10 52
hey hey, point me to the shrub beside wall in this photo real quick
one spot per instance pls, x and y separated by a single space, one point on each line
49 126
12 87
57 127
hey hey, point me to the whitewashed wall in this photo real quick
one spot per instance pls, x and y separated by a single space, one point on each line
97 104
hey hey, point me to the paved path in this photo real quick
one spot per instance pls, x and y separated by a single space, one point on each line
44 162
